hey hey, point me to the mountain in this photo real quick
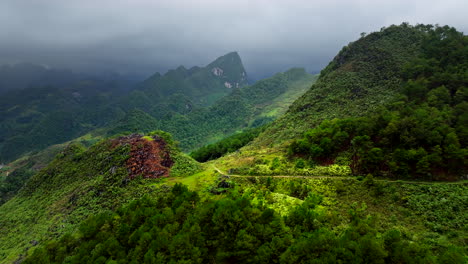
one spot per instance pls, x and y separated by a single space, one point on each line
391 103
42 106
91 181
248 106
201 86
311 188
362 77
48 107
92 116
194 124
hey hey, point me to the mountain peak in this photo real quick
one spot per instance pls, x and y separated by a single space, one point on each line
229 58
230 68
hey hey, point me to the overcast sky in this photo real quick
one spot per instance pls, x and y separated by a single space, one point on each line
145 36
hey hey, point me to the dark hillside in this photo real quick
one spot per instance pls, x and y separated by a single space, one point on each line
37 117
200 85
363 76
423 134
249 106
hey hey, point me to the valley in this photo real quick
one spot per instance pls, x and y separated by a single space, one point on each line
366 162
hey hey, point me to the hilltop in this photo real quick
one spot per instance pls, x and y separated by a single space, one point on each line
347 174
390 104
363 76
80 182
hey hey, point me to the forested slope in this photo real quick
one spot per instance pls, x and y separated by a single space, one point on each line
363 76
80 182
423 133
250 106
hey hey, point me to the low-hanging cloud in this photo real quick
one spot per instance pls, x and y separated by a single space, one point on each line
143 36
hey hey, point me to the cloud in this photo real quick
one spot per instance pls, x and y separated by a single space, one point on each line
143 36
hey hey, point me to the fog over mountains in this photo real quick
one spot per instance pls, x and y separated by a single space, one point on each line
142 37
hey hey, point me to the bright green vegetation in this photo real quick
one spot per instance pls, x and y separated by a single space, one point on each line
276 165
177 225
78 183
423 134
226 145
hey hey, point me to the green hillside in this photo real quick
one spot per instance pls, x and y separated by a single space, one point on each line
81 182
391 103
91 200
15 174
367 166
199 86
249 106
198 105
32 119
243 107
423 134
41 115
364 75
274 224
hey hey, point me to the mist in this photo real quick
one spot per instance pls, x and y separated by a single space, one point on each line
141 37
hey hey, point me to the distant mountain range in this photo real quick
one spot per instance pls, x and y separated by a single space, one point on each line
47 106
341 170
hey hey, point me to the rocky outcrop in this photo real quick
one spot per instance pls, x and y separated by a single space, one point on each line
149 156
217 71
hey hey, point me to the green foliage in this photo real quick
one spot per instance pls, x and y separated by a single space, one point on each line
419 135
78 183
226 145
11 184
178 227
196 105
135 121
300 164
363 76
244 107
283 166
184 165
168 138
39 116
